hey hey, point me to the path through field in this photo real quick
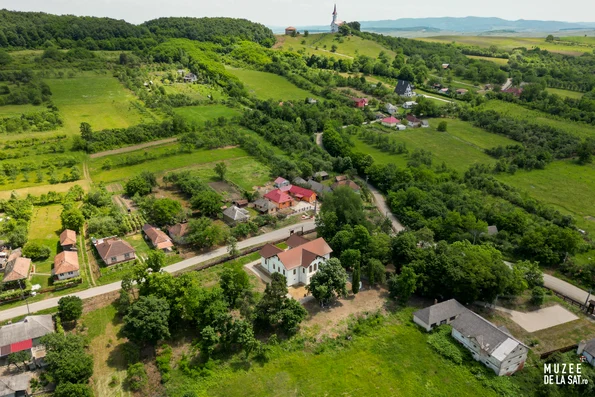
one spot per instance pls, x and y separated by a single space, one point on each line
132 148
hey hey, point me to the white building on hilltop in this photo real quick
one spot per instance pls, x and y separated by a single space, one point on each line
336 22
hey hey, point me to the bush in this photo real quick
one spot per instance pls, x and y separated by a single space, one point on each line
70 308
72 390
441 341
163 362
136 376
36 251
537 296
442 126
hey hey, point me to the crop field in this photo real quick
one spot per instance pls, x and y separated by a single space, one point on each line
45 230
459 148
509 43
393 359
567 186
518 112
98 99
351 46
499 61
270 86
565 93
200 114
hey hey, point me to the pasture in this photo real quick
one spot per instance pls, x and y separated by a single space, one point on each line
565 93
45 229
459 148
270 86
565 185
200 114
42 189
535 116
499 61
98 99
364 366
321 44
17 110
509 43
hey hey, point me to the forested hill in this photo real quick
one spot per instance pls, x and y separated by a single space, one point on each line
37 30
218 30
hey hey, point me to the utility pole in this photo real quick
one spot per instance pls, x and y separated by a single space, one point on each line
23 296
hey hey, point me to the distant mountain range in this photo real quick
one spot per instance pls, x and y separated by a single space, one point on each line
460 25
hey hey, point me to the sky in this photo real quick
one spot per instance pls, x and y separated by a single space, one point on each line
312 12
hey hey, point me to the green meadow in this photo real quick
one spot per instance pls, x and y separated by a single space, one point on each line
200 114
534 116
459 147
565 93
270 86
499 61
45 230
17 110
321 44
98 99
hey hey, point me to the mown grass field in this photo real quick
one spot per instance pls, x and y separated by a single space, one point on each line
41 189
460 147
270 86
45 229
534 116
393 359
567 186
508 43
565 93
200 114
17 110
242 168
98 99
351 46
499 61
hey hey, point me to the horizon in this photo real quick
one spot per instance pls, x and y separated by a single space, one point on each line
273 13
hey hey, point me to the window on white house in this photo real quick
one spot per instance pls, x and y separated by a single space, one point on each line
126 256
284 272
310 269
303 270
294 272
315 266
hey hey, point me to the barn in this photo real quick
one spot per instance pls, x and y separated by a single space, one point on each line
25 334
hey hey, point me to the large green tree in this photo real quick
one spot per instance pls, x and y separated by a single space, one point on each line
70 308
402 286
68 389
275 310
233 282
207 202
72 219
203 233
66 358
147 320
328 282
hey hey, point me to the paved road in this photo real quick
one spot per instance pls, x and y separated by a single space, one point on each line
104 289
565 288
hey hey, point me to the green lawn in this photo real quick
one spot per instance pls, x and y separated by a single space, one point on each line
393 359
17 110
98 99
159 165
460 147
45 229
246 172
351 46
140 245
567 186
499 61
534 116
508 43
200 114
565 93
270 86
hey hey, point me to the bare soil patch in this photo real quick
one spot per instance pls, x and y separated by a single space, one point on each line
100 301
114 187
228 191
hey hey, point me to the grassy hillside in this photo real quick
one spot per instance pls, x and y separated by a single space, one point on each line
200 114
519 112
270 86
321 44
499 61
565 93
460 147
508 43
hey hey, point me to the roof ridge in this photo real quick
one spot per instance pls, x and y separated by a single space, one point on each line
496 328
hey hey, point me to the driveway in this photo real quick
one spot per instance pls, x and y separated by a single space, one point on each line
540 319
190 262
382 206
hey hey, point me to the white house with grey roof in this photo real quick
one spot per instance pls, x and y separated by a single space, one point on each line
494 346
234 215
587 350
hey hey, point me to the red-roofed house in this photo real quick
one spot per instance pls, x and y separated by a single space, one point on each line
66 265
290 30
390 121
158 238
302 194
516 91
297 264
360 102
281 182
279 198
68 239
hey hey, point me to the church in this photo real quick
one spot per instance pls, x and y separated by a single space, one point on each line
336 22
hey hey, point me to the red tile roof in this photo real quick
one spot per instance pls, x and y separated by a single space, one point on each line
113 247
304 254
269 250
68 237
391 120
413 119
66 261
158 238
300 191
280 180
296 240
278 196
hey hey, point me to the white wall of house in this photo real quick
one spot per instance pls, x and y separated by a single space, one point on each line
67 275
110 260
419 322
294 276
589 357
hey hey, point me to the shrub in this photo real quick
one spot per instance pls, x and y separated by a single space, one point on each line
163 362
537 296
442 126
36 251
136 376
441 341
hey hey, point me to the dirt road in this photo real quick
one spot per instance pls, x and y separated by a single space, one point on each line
132 148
